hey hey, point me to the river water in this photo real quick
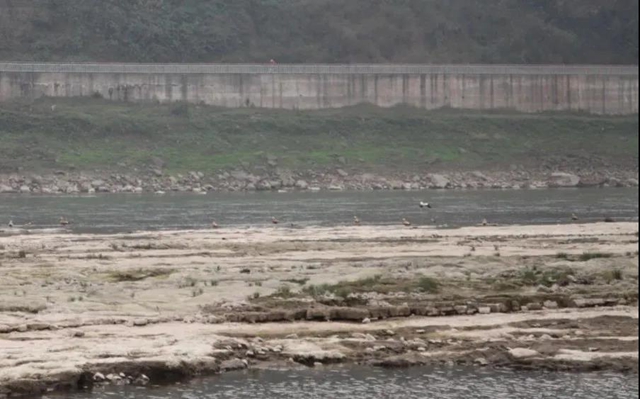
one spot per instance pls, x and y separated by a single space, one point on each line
122 213
371 383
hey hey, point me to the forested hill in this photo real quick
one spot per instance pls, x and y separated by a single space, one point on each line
328 31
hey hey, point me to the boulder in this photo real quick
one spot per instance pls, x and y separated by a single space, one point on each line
561 179
438 181
523 353
234 364
302 185
6 189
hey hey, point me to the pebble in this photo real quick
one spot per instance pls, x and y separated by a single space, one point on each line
366 321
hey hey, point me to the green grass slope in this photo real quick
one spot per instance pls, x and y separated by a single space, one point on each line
89 134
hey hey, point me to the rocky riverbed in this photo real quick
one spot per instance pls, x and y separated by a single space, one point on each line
275 178
152 307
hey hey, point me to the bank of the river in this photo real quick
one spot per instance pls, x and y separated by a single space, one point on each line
85 145
77 310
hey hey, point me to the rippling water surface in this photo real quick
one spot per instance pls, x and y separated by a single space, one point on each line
369 383
118 213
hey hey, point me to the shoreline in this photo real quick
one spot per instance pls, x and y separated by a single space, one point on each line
71 183
80 309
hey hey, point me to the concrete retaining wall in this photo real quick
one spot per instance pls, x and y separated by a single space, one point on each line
595 89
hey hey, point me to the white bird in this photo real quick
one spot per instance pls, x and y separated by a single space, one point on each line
10 223
425 205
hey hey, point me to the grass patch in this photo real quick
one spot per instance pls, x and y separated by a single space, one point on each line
428 285
283 292
534 277
299 281
379 284
594 255
139 274
613 275
88 133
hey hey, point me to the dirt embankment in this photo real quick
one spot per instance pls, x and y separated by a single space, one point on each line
76 310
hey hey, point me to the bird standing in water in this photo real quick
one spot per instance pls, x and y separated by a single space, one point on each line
63 221
214 225
274 220
356 221
10 223
574 217
406 222
425 205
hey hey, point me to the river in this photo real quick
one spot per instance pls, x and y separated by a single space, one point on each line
371 383
128 212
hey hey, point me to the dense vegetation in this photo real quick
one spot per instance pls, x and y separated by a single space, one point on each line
332 31
91 133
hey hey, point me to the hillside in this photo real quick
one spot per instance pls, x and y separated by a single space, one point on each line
90 134
328 31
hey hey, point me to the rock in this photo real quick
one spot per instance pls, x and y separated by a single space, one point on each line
234 364
140 322
318 314
39 326
302 185
342 173
263 185
632 182
481 361
438 181
484 310
336 187
99 377
357 335
546 290
25 189
589 303
5 329
366 320
97 184
550 305
479 175
77 334
534 306
523 353
349 314
560 179
6 189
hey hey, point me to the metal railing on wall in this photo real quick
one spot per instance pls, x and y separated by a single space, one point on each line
319 69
